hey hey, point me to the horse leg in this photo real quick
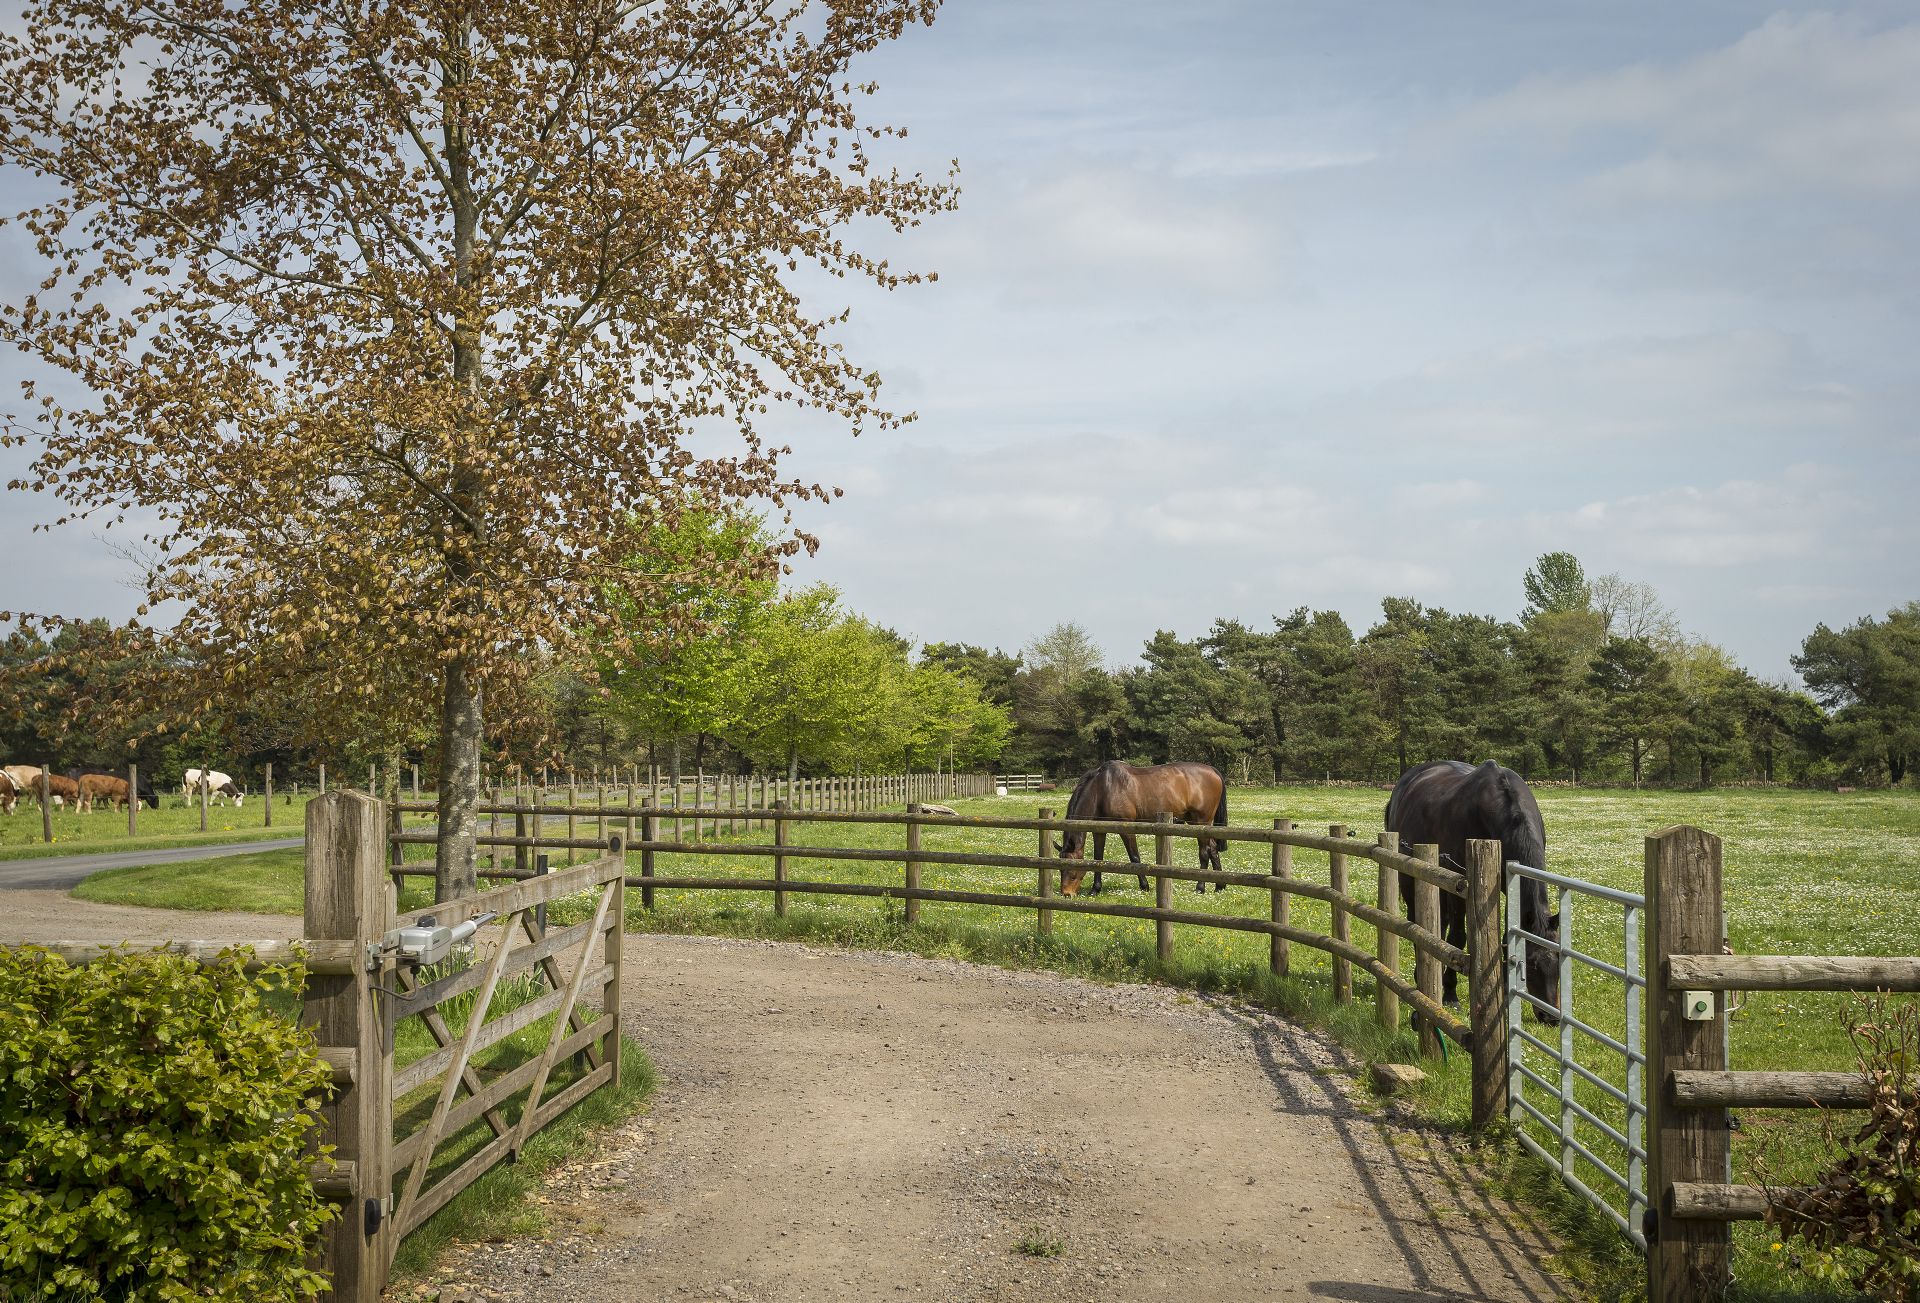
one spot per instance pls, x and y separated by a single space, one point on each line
1132 844
1099 854
1456 930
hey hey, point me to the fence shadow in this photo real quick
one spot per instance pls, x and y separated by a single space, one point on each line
1453 1238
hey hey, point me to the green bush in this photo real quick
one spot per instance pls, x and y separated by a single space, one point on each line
154 1120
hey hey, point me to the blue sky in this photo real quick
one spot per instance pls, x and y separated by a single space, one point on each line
1253 306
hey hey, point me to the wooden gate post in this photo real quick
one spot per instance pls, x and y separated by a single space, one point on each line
133 799
268 803
1386 945
1687 1259
1486 983
1044 915
1342 929
46 805
913 865
1163 891
346 900
1281 907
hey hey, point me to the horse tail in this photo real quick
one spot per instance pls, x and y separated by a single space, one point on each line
1220 815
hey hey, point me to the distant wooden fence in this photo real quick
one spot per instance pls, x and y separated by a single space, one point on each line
642 828
359 988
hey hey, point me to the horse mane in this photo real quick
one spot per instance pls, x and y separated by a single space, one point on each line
1522 837
1082 792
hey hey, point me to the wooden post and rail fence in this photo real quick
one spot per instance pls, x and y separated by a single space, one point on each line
1392 988
354 846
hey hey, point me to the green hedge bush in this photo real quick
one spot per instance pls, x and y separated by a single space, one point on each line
154 1131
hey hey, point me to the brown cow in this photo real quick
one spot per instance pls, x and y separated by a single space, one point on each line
9 792
101 787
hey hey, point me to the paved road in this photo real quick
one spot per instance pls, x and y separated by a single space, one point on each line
64 872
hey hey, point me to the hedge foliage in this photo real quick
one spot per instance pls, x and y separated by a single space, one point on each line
154 1131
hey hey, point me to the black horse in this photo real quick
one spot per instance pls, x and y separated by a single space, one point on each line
1189 791
1449 803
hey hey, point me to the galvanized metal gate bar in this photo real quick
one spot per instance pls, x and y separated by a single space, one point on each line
1561 1125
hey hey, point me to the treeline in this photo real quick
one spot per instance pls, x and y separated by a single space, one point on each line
1593 683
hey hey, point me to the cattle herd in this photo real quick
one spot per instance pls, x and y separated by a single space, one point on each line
87 786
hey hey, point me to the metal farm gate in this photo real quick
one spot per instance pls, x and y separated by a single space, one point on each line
1593 1088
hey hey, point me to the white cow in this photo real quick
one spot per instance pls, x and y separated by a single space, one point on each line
216 783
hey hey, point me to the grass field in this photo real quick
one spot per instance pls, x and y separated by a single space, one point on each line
175 823
1806 872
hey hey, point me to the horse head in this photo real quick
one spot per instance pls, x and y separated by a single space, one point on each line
1543 973
1072 850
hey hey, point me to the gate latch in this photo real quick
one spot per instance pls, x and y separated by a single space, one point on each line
427 942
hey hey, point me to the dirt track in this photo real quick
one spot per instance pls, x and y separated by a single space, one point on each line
863 1126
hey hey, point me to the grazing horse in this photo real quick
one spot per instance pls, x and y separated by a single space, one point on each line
1190 792
1449 803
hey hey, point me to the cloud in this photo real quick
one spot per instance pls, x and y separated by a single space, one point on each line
1746 384
1099 231
1805 514
1815 102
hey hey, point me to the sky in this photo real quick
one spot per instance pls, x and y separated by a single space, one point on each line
1249 307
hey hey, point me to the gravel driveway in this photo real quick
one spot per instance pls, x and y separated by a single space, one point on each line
866 1126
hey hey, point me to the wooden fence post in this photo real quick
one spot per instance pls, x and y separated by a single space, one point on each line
46 805
1278 957
1687 1259
204 785
1046 876
1342 927
649 833
913 865
323 778
268 803
1426 965
133 799
346 900
396 853
1386 945
521 864
1163 891
779 860
1486 983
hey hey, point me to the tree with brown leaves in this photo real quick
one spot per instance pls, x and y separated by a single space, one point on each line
401 317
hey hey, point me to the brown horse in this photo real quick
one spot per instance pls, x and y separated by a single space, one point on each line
1190 792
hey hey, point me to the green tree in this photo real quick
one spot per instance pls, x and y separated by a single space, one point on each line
1638 702
1557 584
1868 674
678 675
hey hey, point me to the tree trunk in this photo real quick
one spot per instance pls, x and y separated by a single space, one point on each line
793 764
462 732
